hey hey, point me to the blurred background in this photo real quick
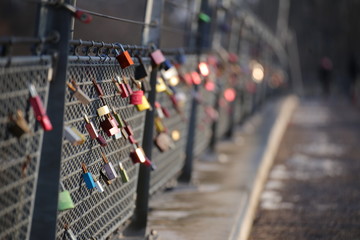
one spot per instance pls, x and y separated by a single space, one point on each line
321 28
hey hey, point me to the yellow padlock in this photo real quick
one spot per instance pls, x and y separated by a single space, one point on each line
160 85
159 125
144 105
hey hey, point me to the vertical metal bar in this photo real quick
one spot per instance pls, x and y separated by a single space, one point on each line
214 126
189 149
150 35
188 165
142 199
46 200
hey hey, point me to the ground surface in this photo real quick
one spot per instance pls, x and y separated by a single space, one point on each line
313 189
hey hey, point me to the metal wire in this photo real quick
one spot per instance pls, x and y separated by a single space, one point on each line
97 215
19 157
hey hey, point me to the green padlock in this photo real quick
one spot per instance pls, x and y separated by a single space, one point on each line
65 202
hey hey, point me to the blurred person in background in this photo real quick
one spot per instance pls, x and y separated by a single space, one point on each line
325 71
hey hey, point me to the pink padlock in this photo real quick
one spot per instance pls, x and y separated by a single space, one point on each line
136 97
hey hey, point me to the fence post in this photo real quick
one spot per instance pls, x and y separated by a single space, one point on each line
150 35
189 149
45 208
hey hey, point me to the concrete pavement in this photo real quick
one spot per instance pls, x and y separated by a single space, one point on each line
221 201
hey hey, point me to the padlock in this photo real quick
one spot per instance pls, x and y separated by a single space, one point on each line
128 129
146 87
135 82
18 125
78 14
124 133
123 87
140 70
39 110
87 176
79 94
128 87
124 57
166 112
144 105
163 142
149 163
136 97
109 125
109 168
117 86
105 178
167 65
159 125
123 174
101 140
117 135
159 111
90 128
138 155
132 139
98 185
157 57
64 202
69 232
73 136
98 89
160 85
118 119
104 110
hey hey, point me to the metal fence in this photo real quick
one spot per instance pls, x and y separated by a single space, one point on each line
169 163
19 150
98 214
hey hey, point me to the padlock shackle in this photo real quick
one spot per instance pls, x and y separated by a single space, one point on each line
86 118
153 46
139 59
119 45
71 87
121 166
32 90
138 85
104 158
84 168
102 100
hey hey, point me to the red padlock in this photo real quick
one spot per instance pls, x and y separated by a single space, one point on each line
166 112
136 97
39 110
123 58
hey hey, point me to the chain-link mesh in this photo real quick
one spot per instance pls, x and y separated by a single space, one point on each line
170 163
224 107
19 157
97 215
204 121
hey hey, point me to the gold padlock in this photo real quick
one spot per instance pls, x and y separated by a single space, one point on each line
160 85
159 125
144 105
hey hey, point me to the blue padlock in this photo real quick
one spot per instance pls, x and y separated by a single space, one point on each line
89 181
167 65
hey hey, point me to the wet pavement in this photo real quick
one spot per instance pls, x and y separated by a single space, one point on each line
312 191
212 206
